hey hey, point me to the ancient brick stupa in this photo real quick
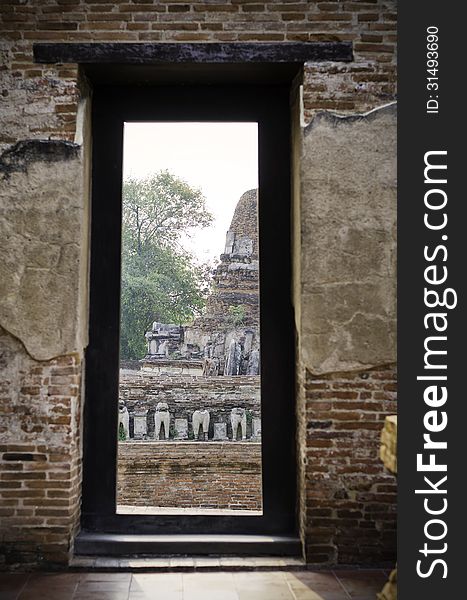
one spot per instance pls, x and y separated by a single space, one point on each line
225 340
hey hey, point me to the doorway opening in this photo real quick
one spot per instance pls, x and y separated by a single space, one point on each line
189 381
267 350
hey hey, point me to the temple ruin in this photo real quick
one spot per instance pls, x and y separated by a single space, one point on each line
199 384
201 381
225 340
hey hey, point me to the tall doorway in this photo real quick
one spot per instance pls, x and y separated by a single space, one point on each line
183 348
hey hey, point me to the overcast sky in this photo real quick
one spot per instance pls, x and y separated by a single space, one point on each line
219 158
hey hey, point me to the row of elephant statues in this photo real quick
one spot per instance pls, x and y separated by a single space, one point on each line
200 420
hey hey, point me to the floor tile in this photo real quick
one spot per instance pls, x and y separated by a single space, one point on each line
55 579
210 595
362 584
43 594
50 586
103 586
262 584
349 584
313 595
156 583
164 595
209 586
96 576
102 595
202 579
11 584
308 585
265 595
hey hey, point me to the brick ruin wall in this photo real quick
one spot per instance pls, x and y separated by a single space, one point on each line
349 503
40 466
40 456
49 94
190 475
184 395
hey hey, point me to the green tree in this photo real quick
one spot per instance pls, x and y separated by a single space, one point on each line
160 281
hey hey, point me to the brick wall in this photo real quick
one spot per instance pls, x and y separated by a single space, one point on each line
49 94
190 475
184 395
348 498
40 458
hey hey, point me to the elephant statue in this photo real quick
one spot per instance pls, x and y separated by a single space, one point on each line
162 416
201 417
124 419
238 416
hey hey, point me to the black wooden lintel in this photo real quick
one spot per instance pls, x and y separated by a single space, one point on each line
164 53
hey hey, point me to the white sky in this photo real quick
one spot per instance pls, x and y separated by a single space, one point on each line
219 158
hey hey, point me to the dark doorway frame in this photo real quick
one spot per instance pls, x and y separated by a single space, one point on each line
269 106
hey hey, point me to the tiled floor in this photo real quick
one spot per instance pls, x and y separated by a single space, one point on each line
237 585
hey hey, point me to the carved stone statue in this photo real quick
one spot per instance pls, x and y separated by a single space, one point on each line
201 417
238 416
162 416
124 419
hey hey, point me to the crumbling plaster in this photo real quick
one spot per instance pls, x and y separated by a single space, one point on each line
345 221
44 244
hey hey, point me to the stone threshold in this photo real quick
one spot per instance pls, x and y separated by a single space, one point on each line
124 546
187 563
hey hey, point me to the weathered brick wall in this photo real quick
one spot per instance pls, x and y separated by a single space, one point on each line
190 475
348 499
49 94
40 458
184 395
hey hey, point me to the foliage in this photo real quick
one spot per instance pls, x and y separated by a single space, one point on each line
121 433
237 315
160 281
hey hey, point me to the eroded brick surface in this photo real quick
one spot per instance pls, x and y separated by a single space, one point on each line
348 498
190 475
48 94
40 456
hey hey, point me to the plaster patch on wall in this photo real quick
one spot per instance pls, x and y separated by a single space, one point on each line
42 224
348 226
